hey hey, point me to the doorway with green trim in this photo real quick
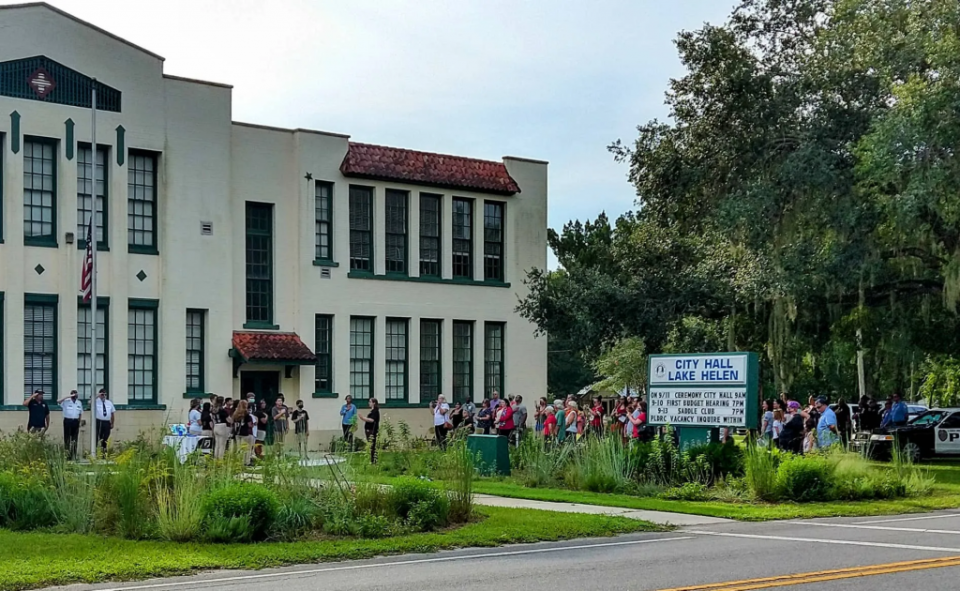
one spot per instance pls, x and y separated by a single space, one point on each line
265 386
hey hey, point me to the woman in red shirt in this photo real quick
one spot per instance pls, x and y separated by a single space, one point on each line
505 419
596 417
550 423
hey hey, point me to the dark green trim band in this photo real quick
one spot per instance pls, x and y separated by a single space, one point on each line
143 303
326 395
428 279
192 395
68 148
56 407
121 150
15 132
41 298
261 326
401 404
102 301
323 263
142 249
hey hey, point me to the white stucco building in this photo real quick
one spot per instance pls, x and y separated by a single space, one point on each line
236 257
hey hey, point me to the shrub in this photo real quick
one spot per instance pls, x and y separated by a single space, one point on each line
722 459
603 466
243 500
690 491
408 493
665 463
374 526
760 472
25 503
461 484
805 478
73 494
180 507
297 515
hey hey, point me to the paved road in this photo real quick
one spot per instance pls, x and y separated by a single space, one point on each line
919 553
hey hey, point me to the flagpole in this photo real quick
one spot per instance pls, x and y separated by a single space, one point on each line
93 272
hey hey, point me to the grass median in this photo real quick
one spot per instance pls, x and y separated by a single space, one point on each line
36 559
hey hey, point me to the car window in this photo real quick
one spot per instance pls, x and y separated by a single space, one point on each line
952 422
928 418
916 409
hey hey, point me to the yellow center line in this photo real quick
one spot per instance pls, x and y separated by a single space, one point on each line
823 576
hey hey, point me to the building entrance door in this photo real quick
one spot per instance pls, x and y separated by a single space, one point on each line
265 385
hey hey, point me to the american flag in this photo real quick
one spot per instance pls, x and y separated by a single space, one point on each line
86 276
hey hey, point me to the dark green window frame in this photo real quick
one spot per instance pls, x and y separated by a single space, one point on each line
323 212
259 265
462 238
39 187
49 344
462 361
142 351
323 345
2 167
395 231
142 201
494 334
85 194
431 359
83 348
362 340
493 229
431 232
196 345
361 229
397 352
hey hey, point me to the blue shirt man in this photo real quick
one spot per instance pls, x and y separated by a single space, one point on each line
898 413
827 425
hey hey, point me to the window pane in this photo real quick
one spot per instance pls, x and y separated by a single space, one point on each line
39 190
463 238
462 361
361 228
493 358
493 241
259 262
141 189
195 344
39 349
361 357
141 354
430 359
430 206
86 384
324 220
324 352
85 191
396 352
396 231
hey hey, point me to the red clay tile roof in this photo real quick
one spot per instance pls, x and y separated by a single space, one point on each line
271 346
425 168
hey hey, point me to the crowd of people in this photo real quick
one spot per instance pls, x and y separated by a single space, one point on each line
560 421
244 424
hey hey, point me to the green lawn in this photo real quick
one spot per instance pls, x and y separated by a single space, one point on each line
946 495
33 560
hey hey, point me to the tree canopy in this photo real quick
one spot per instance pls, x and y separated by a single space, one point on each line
801 201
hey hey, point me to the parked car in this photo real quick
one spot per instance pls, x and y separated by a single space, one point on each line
931 433
915 410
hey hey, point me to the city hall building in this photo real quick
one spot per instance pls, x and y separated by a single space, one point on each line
236 257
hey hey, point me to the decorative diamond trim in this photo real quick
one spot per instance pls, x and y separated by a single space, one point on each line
39 269
141 275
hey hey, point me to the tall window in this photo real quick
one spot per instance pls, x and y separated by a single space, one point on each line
431 340
396 231
259 264
323 382
87 382
1 336
462 361
85 191
430 215
493 241
142 352
324 215
493 358
40 348
361 357
39 191
463 238
195 350
361 229
396 378
142 201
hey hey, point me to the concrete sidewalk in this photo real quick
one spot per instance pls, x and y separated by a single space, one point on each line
658 517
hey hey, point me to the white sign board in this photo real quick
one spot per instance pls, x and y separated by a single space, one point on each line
700 370
697 406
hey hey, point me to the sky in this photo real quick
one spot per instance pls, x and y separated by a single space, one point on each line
553 80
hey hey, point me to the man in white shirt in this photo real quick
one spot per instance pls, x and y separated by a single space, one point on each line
72 409
104 413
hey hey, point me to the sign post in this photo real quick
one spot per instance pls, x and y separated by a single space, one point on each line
697 393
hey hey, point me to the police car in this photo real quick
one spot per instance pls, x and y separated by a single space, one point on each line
931 433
